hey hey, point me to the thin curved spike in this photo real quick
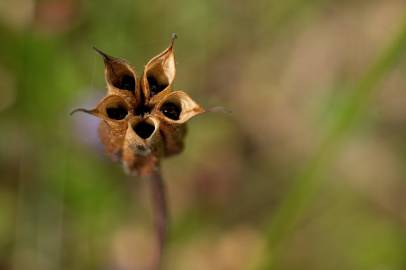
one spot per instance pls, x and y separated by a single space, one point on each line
219 109
82 110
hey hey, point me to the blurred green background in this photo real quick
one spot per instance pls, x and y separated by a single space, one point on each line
308 172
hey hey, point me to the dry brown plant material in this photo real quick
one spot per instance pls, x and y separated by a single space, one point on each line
142 118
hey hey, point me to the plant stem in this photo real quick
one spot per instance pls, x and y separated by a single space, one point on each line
159 205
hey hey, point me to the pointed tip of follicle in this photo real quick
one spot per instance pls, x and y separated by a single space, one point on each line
105 56
173 37
80 110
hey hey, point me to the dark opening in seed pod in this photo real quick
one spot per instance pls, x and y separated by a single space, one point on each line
124 82
154 86
144 129
127 82
116 112
141 110
171 110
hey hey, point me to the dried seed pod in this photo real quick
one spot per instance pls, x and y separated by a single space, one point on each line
173 136
112 137
159 74
120 77
143 145
174 110
177 107
142 120
112 108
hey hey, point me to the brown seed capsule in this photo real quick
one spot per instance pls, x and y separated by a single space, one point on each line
177 107
120 77
112 138
174 110
159 74
142 146
142 120
110 108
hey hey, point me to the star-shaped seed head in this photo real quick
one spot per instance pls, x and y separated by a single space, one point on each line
142 118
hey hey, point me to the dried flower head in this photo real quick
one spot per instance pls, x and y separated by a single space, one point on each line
142 118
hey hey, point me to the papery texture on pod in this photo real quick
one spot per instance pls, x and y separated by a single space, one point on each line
159 74
120 77
112 137
173 136
178 107
174 110
112 108
142 146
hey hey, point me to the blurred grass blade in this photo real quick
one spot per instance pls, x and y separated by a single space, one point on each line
307 184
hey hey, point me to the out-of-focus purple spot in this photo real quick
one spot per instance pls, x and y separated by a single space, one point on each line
85 126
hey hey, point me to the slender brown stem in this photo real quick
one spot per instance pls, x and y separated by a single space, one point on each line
160 216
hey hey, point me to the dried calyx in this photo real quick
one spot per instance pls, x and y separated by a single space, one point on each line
142 119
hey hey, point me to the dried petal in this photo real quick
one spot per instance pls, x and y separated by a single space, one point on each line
159 74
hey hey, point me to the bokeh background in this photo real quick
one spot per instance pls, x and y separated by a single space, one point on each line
308 172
